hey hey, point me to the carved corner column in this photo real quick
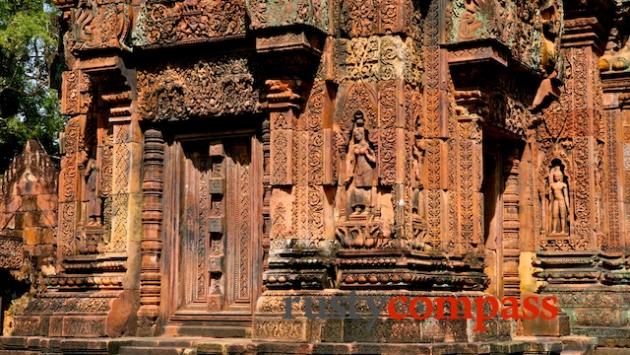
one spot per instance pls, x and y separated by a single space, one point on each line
468 145
573 144
296 203
615 74
588 259
151 244
76 102
297 261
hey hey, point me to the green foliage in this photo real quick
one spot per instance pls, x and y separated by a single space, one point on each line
29 108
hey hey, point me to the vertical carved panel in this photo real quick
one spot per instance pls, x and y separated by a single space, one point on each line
69 185
583 195
120 188
432 58
75 86
388 121
282 148
434 203
314 118
614 239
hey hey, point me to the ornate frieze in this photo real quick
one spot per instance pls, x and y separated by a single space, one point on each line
178 91
269 14
376 17
162 23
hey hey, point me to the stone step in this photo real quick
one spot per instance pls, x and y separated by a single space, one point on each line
208 331
147 350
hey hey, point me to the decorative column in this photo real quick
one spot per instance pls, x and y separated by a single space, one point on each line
151 244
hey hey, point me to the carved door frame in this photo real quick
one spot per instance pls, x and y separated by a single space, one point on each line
171 313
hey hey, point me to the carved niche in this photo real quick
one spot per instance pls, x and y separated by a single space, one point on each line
559 212
557 201
364 150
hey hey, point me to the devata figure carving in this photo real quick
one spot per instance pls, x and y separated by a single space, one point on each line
361 165
417 199
559 197
94 204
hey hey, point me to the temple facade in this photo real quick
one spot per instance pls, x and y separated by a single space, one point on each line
223 156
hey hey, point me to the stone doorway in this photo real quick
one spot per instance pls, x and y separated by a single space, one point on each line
214 213
501 162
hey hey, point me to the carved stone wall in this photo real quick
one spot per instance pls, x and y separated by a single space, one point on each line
220 156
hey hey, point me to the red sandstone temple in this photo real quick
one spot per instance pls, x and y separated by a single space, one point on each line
222 155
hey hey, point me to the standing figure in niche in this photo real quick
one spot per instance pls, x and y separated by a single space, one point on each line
559 196
417 200
94 203
361 166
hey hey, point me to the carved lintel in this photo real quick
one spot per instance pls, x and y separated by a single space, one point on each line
474 53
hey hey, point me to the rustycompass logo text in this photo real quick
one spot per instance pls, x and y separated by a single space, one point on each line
478 309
